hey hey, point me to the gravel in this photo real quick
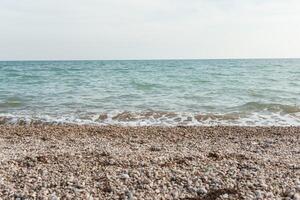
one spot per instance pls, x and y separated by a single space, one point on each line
109 162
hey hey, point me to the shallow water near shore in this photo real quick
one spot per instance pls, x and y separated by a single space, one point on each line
263 92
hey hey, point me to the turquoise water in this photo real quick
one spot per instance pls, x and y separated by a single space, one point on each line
156 92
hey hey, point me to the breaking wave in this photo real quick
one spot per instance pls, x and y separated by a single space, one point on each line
263 92
151 118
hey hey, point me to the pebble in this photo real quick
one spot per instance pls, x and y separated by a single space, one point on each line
80 167
269 195
125 176
225 196
54 197
129 195
89 197
259 194
296 196
175 194
201 191
155 148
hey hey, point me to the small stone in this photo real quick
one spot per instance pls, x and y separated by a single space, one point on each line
263 184
135 148
19 197
53 196
296 196
125 176
259 194
155 148
104 153
269 195
129 195
201 191
89 197
175 194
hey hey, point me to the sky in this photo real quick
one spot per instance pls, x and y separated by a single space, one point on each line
148 29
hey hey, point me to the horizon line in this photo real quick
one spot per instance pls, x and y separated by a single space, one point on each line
149 59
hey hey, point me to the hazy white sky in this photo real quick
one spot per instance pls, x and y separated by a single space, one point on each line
146 29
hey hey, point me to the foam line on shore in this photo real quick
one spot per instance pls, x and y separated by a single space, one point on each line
124 118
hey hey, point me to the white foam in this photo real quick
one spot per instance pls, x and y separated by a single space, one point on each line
186 119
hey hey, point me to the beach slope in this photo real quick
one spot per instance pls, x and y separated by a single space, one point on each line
108 162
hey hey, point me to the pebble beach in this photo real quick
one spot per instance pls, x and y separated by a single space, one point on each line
112 162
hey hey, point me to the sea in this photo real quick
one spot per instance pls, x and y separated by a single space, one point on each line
245 92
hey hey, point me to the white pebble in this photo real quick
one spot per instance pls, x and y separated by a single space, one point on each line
54 197
125 176
296 196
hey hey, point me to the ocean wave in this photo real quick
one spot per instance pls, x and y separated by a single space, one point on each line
144 86
160 118
12 102
271 107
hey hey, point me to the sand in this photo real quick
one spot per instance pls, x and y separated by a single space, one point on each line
86 162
